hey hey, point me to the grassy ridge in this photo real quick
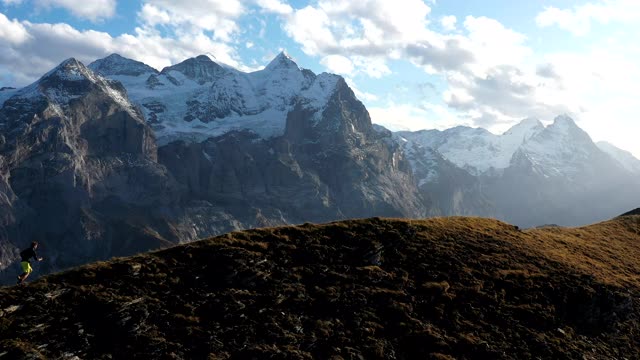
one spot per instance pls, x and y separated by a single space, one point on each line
443 288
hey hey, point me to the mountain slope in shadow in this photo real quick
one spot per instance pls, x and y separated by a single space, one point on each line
442 288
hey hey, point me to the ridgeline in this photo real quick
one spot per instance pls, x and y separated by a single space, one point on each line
442 288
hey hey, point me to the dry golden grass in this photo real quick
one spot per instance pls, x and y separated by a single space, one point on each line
440 288
609 251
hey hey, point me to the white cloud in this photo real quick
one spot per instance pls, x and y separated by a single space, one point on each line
154 16
169 32
492 76
565 19
367 32
337 64
371 33
504 95
493 44
600 85
484 63
275 6
399 19
310 28
362 95
374 67
45 45
217 16
93 10
578 20
448 22
486 68
398 117
12 31
360 27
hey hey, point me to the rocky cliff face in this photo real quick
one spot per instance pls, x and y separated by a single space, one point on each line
450 189
78 164
80 161
332 168
198 98
277 145
115 64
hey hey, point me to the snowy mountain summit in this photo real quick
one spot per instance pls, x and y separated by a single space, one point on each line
115 64
200 69
282 61
71 80
529 175
199 98
554 149
630 162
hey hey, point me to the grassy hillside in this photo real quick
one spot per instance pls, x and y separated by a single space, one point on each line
444 288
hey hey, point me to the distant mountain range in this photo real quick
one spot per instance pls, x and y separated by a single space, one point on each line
118 157
530 175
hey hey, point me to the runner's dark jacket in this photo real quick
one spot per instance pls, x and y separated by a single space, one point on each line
28 254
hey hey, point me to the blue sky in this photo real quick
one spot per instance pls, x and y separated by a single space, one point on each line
414 63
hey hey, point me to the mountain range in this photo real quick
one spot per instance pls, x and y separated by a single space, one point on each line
116 157
530 175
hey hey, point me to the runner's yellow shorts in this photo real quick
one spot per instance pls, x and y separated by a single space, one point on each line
26 267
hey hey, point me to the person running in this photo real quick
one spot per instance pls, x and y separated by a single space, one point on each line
26 255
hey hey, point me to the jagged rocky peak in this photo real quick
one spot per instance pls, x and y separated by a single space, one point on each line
564 126
527 125
200 69
523 131
115 64
338 114
69 81
69 70
282 61
466 130
564 123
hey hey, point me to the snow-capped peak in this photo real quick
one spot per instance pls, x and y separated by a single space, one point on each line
200 69
282 61
521 132
115 64
72 80
69 70
525 127
563 122
199 98
625 158
561 149
478 150
564 127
